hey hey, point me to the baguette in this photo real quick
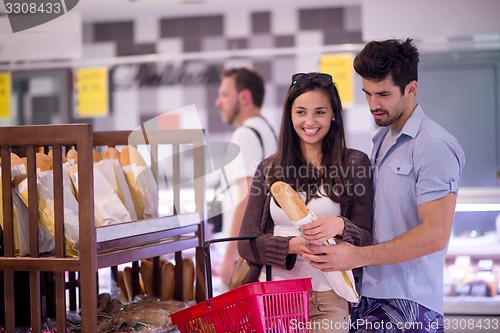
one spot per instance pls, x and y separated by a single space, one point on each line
96 155
130 155
43 162
122 286
73 170
127 277
72 155
167 281
296 210
111 153
25 161
50 155
289 200
188 279
15 160
125 156
163 262
146 271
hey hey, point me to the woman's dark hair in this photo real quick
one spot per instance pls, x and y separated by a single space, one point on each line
393 57
289 165
246 78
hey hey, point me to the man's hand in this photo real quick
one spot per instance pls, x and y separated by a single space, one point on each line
430 236
340 257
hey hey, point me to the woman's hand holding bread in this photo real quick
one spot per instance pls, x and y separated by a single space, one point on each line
299 246
323 229
316 229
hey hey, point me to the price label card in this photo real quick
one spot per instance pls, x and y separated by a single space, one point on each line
5 91
339 66
91 92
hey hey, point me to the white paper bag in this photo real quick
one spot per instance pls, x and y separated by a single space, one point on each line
113 172
342 282
144 190
21 220
21 223
45 187
108 207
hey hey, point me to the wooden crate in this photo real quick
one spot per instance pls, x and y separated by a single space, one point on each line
100 247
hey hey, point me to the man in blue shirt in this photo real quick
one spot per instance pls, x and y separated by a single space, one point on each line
417 169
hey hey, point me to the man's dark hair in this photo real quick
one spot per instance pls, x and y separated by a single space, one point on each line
246 78
393 57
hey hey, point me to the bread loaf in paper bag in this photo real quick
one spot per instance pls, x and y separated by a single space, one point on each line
141 181
342 282
18 171
111 169
20 214
109 209
45 189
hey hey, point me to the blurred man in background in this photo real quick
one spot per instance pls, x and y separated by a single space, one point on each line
240 98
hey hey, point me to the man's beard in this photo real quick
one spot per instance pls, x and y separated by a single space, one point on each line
232 116
389 118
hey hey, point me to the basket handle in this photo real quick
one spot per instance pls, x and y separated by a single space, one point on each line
208 263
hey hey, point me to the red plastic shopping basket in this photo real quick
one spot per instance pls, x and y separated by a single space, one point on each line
262 307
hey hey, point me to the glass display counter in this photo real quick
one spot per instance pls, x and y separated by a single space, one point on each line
472 268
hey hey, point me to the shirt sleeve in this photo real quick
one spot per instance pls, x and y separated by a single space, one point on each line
438 166
250 151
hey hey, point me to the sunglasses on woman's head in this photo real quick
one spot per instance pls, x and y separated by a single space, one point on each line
320 79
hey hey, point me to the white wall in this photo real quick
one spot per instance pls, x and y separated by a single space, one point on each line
429 19
60 38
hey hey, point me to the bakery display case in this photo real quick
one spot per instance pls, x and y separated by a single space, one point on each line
80 247
472 269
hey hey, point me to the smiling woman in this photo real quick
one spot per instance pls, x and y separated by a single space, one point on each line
311 148
312 117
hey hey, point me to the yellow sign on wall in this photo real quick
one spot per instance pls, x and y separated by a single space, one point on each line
339 66
92 92
5 91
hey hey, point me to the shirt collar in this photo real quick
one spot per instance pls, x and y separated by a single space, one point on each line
412 125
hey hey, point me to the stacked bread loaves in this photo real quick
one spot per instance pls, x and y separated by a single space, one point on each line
167 280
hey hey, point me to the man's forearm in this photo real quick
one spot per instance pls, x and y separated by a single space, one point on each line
429 237
413 244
